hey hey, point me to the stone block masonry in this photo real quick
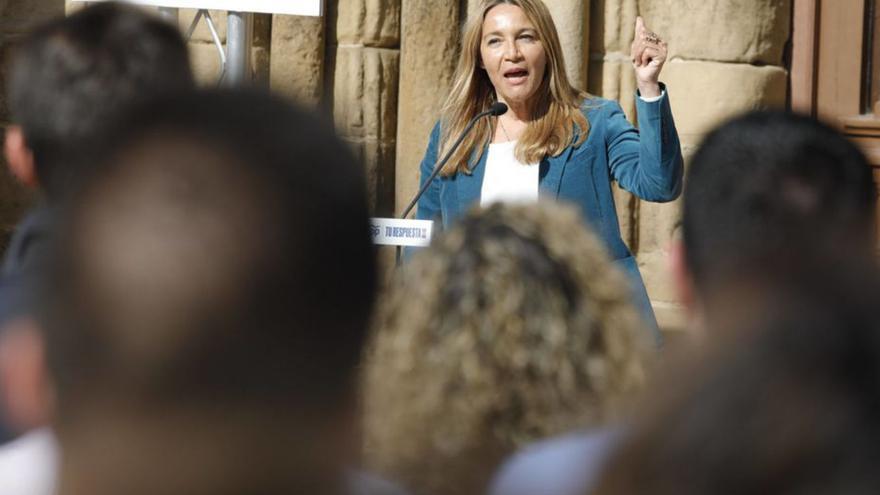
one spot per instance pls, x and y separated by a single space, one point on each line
297 58
429 53
726 57
362 77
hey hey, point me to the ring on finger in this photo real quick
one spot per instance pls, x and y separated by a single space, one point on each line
652 37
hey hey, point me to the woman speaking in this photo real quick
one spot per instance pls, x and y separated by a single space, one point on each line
554 141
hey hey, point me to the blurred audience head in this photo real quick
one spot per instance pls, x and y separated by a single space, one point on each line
211 287
70 78
772 191
791 407
511 327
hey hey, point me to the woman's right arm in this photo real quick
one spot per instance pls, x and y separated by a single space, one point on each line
429 204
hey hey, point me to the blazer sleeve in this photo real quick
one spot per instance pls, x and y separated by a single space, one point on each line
429 204
646 161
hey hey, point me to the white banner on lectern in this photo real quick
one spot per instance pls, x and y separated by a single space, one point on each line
397 232
292 7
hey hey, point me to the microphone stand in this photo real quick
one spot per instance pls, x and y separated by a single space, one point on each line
496 110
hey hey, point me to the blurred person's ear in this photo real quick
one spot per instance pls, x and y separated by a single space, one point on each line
24 385
19 157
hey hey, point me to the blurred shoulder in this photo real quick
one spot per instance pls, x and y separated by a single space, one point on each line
366 483
29 464
566 465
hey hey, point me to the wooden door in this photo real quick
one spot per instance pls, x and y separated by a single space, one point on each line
835 68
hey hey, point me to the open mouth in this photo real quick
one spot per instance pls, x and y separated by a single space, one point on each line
516 74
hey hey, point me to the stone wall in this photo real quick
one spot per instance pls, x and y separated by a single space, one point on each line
726 59
363 70
381 69
346 64
429 52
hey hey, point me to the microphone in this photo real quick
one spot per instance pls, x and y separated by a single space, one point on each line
495 110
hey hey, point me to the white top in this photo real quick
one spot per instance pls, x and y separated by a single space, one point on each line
507 179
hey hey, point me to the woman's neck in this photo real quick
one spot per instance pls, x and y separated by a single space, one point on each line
518 112
513 123
510 127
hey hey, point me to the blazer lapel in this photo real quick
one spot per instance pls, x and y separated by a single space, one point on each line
549 179
470 186
550 175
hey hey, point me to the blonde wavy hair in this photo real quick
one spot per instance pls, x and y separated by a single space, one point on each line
513 326
557 121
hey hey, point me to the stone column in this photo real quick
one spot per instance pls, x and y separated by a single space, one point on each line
612 24
572 18
611 32
297 61
18 17
429 53
726 58
363 72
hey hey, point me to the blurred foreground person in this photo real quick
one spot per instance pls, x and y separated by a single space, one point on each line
512 327
769 196
68 81
29 462
208 297
792 408
770 193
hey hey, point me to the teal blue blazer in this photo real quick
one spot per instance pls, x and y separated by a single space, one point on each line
646 162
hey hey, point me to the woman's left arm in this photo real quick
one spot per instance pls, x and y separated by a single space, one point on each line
647 162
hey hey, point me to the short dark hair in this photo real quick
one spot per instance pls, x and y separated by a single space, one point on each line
73 75
769 185
219 254
792 407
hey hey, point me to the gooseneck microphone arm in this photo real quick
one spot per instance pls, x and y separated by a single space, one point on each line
495 110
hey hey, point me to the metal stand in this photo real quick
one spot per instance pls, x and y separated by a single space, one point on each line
239 39
235 57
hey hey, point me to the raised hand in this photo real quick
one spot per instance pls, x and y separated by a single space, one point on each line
648 53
